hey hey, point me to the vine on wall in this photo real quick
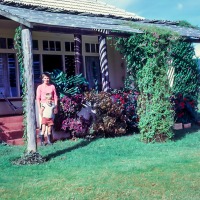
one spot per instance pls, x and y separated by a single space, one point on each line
186 70
20 58
148 56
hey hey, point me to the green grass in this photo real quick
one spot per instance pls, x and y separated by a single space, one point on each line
106 169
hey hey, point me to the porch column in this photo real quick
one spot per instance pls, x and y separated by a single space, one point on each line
78 54
30 94
104 63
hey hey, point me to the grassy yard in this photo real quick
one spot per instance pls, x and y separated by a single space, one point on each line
106 169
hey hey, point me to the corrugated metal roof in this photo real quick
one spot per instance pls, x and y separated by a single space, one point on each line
65 20
81 6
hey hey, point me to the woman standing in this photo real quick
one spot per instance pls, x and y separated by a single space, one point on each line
42 90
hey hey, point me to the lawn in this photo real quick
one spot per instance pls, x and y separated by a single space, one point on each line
106 169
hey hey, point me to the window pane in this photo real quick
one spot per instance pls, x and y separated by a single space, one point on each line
52 45
87 47
72 46
93 48
97 48
58 46
35 45
45 45
10 43
1 73
12 74
67 46
2 43
36 70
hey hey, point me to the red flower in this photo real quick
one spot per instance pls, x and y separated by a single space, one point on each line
182 104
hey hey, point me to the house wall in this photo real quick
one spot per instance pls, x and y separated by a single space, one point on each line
115 62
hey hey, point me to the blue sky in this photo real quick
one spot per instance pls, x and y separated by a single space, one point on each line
172 10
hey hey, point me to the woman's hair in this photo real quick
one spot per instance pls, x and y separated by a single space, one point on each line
45 74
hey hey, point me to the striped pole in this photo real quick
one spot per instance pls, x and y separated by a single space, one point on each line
104 63
78 53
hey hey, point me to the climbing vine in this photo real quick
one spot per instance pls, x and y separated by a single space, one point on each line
18 48
186 70
151 58
148 56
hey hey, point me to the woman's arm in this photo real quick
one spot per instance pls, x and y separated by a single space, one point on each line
55 100
41 111
38 98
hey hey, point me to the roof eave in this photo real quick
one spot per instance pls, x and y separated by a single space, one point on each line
16 19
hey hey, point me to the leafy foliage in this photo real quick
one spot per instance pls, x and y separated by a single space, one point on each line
20 58
67 85
186 70
147 57
184 23
150 57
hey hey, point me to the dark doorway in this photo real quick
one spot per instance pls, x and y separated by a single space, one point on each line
51 62
93 72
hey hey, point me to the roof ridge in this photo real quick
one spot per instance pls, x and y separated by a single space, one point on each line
80 6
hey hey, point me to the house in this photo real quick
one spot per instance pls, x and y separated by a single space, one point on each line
66 35
62 32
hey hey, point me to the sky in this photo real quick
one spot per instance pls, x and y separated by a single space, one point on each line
172 10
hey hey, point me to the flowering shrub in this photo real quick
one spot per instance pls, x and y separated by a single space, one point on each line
70 106
77 126
184 107
129 102
110 113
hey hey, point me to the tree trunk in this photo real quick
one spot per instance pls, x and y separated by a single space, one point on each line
30 94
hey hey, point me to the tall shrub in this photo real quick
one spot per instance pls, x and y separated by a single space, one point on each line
147 56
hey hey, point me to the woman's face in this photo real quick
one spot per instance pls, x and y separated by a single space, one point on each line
46 79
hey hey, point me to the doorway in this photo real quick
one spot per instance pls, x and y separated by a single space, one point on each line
51 62
93 72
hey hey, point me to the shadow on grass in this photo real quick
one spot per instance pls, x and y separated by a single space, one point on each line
63 151
179 134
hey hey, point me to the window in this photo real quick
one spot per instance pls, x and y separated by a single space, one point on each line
12 75
45 45
91 48
35 45
87 47
58 46
1 73
72 46
51 45
10 43
69 46
36 70
2 43
6 43
97 48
